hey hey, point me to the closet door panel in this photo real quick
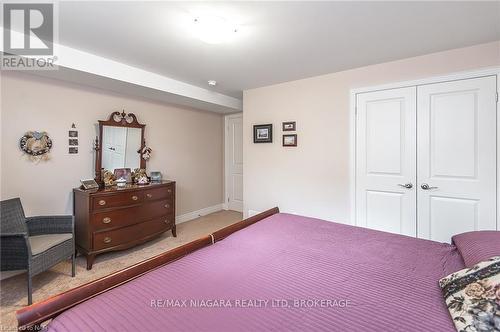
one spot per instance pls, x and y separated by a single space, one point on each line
456 154
385 160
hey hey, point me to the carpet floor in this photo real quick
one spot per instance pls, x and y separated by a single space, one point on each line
58 279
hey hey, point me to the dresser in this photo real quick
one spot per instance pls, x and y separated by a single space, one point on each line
116 218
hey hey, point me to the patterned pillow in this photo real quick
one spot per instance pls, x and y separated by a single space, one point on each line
472 296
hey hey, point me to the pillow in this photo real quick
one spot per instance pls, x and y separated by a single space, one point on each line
477 246
472 296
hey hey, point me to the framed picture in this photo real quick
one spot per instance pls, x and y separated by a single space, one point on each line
290 140
73 133
263 133
89 184
73 150
155 176
289 126
123 173
73 141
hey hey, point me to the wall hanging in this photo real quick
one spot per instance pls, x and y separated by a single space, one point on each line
263 133
36 145
290 140
289 126
73 140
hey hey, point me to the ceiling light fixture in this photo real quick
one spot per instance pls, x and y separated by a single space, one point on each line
212 83
214 29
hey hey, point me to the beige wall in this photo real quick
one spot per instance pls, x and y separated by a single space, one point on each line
187 144
313 179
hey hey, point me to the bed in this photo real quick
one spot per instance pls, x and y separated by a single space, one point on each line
274 271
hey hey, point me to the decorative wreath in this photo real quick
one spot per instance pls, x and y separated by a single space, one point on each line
36 145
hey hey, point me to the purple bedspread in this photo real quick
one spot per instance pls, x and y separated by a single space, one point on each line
355 280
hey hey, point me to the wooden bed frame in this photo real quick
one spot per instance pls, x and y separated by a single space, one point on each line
30 317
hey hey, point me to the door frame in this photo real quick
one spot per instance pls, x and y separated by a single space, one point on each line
490 71
225 204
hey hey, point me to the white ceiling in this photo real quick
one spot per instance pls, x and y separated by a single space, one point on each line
277 41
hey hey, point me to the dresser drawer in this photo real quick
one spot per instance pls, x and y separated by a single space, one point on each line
118 199
131 215
159 193
125 235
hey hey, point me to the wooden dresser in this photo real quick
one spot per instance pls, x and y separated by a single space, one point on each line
116 218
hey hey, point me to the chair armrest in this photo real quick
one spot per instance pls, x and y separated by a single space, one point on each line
49 225
14 251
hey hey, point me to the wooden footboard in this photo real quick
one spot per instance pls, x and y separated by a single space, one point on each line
40 312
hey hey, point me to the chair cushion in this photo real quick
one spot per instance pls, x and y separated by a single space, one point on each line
41 243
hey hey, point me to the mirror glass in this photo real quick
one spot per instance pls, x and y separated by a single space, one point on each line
120 146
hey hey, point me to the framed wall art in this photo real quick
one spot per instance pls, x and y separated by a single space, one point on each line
289 126
73 140
263 133
290 140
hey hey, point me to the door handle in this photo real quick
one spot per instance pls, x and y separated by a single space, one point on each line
425 186
406 185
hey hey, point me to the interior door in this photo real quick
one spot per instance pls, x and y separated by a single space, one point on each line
456 157
386 160
235 163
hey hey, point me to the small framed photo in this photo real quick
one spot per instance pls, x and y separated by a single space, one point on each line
155 176
73 150
263 133
73 141
89 184
123 173
73 133
289 126
290 140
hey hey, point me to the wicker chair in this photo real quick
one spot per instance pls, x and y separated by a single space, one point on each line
34 244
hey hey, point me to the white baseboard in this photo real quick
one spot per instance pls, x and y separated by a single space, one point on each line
225 206
252 213
199 213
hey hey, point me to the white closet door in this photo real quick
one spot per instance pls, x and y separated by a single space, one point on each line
456 140
386 160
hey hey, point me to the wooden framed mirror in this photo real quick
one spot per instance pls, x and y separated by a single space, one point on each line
120 144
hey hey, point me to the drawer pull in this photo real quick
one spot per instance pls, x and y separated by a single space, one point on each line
166 221
107 239
169 191
135 198
102 202
167 206
106 220
149 195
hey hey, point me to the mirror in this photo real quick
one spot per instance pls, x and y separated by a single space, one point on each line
121 147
